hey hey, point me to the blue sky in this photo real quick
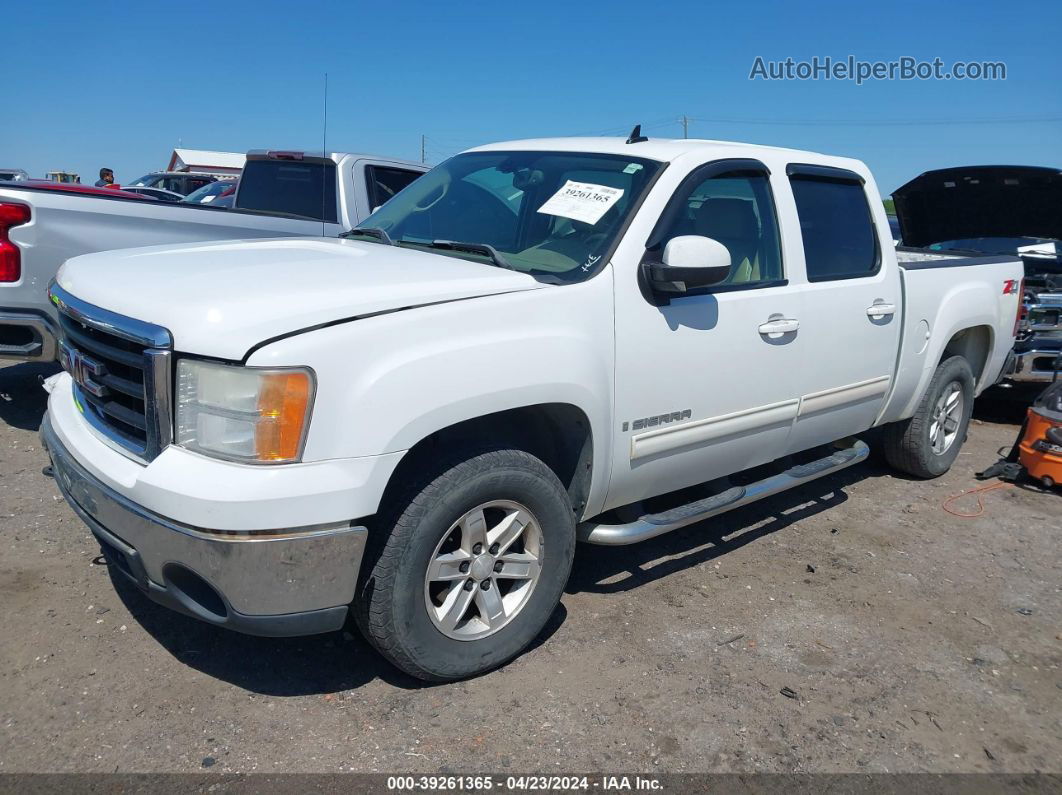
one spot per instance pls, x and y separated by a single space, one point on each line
119 84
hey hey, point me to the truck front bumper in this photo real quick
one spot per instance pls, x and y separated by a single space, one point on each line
1035 365
295 581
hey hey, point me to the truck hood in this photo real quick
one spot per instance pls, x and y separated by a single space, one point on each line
980 201
221 299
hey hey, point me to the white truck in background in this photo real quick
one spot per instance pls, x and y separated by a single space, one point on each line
534 343
282 193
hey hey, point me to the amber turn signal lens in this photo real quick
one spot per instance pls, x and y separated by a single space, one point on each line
283 403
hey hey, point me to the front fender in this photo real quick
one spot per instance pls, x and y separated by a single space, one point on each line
385 383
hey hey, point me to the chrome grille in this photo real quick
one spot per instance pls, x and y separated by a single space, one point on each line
121 371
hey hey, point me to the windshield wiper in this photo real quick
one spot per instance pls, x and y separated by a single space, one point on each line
484 249
370 231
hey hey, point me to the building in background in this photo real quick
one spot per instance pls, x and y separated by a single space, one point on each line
63 176
203 161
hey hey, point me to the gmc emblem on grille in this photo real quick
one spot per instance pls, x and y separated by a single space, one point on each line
86 371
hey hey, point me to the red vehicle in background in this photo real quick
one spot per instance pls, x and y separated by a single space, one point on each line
77 187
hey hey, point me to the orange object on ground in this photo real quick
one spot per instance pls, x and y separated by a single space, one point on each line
1041 445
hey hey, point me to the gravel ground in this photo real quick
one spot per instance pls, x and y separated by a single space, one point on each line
852 625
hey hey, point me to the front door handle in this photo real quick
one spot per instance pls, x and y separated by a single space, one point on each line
879 310
780 325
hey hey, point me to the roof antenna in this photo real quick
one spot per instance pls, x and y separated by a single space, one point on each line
636 136
326 158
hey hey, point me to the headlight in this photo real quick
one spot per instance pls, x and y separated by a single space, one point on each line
252 414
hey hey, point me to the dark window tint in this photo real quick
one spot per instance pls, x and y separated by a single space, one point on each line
738 211
386 182
194 184
289 187
839 239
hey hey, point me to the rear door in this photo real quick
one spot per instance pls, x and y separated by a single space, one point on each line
852 305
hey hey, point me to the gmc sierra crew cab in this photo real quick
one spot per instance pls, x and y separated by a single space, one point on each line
282 193
535 343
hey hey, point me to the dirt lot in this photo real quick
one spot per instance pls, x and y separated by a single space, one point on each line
908 639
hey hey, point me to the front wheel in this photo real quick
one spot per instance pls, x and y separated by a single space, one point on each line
927 444
473 564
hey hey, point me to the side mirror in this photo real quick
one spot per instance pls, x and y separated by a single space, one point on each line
690 261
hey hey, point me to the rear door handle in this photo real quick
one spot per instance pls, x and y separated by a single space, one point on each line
781 325
877 310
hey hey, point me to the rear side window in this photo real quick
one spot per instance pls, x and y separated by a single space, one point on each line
386 182
288 187
835 223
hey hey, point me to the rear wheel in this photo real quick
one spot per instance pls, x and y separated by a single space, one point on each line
927 444
467 566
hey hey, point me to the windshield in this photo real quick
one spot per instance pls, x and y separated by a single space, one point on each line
552 214
146 181
208 193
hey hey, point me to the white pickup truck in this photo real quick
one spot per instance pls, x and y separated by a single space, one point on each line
282 193
534 343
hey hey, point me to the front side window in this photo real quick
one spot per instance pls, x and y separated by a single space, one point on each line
838 233
384 183
738 211
554 215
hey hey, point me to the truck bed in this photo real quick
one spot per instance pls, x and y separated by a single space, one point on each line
935 285
910 258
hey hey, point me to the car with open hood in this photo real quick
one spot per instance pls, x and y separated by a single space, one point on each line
1011 210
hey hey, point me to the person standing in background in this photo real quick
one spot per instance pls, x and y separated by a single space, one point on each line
106 179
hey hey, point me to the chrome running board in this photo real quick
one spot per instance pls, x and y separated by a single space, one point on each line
655 524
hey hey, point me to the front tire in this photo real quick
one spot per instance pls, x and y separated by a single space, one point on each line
927 444
468 565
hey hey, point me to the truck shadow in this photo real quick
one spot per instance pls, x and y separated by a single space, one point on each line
22 400
605 570
311 665
341 661
1006 406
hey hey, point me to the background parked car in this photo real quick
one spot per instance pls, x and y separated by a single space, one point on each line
217 194
161 194
1005 210
181 182
13 175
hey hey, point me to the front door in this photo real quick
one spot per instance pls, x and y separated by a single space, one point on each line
708 383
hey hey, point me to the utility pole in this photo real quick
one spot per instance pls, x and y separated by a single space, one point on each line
685 126
423 145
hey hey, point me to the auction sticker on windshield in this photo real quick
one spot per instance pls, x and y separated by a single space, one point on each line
581 201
